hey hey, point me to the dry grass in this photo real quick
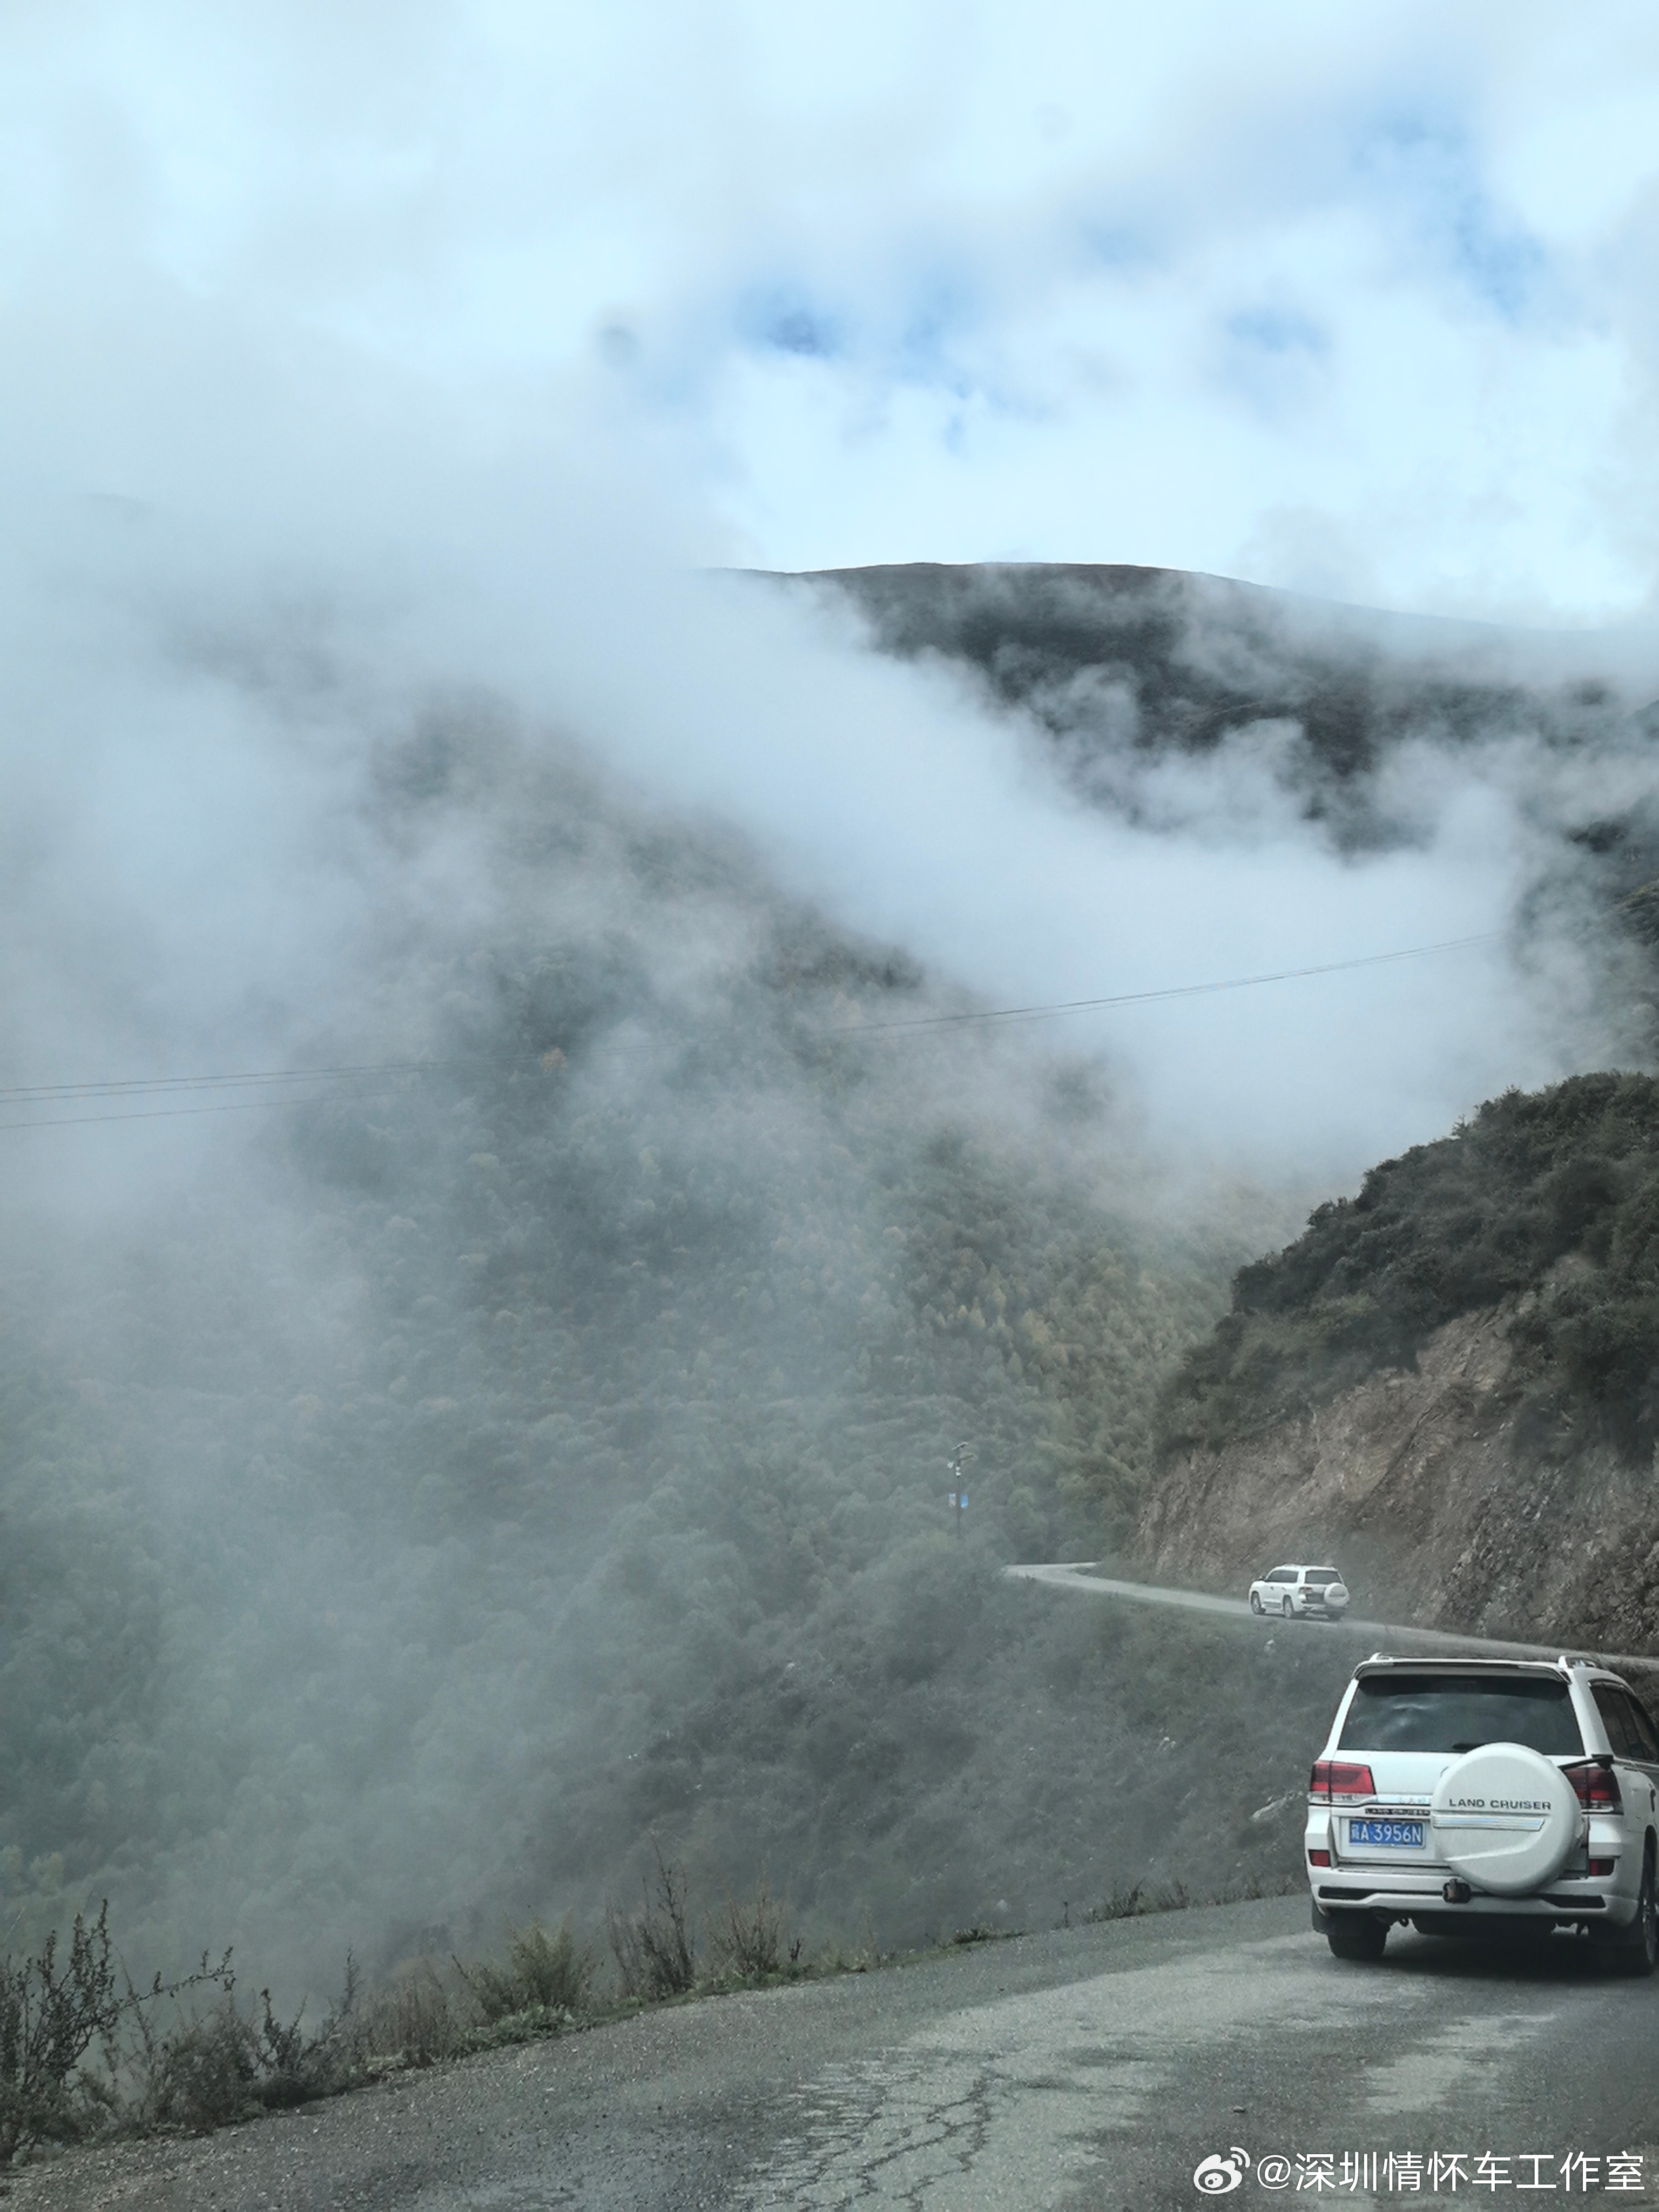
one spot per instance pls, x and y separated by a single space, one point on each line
414 2021
751 1937
655 1949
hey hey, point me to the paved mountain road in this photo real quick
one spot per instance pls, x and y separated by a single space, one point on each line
1089 2068
1391 1636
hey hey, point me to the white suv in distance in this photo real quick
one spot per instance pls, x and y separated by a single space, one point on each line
1300 1592
1486 1796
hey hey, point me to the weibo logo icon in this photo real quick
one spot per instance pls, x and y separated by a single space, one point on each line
1215 2175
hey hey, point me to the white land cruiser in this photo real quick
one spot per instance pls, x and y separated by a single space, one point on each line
1486 1796
1296 1592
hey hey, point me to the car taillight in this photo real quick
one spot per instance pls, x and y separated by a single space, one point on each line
1333 1781
1602 1866
1597 1787
1319 1858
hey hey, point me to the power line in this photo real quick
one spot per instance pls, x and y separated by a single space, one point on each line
170 1113
1171 991
117 1086
275 1082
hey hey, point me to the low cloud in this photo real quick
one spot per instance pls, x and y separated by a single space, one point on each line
388 405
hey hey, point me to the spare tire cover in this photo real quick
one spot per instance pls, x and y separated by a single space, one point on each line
1506 1819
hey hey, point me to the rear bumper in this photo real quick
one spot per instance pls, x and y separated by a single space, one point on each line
1565 1903
1372 1883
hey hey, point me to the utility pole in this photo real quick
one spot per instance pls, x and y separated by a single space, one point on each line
959 1497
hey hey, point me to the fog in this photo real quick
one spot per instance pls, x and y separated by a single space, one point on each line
189 724
439 1477
418 1485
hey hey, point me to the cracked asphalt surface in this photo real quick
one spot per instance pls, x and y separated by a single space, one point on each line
1086 2068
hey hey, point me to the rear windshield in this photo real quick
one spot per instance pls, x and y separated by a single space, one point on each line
1453 1712
1320 1576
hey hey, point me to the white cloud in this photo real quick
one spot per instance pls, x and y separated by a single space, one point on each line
923 281
436 316
927 280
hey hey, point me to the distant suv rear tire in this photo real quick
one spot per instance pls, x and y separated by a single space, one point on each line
1287 1607
1635 1950
1356 1934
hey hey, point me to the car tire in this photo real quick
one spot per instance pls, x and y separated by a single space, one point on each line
1287 1609
1256 1600
1356 1935
1635 1950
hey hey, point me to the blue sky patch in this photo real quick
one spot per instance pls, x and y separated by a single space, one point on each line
798 329
1278 330
1428 167
784 321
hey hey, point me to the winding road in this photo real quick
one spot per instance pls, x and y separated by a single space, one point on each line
1391 1635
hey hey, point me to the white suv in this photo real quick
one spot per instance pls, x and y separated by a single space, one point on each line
1494 1796
1298 1592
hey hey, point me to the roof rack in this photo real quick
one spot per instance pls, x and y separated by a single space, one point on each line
1473 1662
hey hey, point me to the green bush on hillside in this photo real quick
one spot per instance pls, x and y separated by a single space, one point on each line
1553 1192
553 1973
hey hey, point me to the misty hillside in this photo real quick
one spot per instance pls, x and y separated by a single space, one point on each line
1448 1383
527 1446
1551 1199
513 1458
1345 710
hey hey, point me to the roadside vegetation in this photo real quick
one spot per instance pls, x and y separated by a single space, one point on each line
84 2054
86 2057
1128 1762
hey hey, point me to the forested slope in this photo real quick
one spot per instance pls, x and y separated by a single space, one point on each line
1452 1377
1121 667
1551 1196
496 1464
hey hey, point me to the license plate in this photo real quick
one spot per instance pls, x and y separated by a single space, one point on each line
1394 1835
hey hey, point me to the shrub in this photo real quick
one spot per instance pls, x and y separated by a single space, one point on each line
53 2015
749 1935
550 1973
1130 1903
412 2022
653 1947
212 2068
201 2076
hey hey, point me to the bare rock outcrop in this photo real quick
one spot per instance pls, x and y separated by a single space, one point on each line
1431 1488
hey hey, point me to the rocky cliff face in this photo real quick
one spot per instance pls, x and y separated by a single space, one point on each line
1428 1488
